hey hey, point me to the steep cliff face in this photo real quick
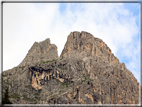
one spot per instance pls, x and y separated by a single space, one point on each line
85 45
85 73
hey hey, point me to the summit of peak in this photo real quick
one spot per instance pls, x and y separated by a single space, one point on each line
84 44
40 51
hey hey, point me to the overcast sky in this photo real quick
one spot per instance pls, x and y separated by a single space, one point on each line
117 24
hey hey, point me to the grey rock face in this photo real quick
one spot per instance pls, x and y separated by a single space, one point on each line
41 51
85 73
84 45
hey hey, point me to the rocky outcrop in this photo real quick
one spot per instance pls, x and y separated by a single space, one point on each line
85 73
85 44
41 51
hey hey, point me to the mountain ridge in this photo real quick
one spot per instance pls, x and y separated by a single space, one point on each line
87 72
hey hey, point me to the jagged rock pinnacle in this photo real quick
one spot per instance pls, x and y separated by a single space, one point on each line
41 51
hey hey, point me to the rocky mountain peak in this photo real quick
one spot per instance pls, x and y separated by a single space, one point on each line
87 72
41 51
85 44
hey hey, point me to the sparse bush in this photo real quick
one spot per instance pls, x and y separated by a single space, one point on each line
21 68
6 100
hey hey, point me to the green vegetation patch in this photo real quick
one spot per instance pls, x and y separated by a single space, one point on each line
63 84
24 96
28 99
15 96
36 97
91 79
36 94
5 99
4 81
35 103
21 68
61 58
48 61
52 96
4 75
28 86
85 79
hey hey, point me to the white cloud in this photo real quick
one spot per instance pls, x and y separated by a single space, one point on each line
26 23
23 24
